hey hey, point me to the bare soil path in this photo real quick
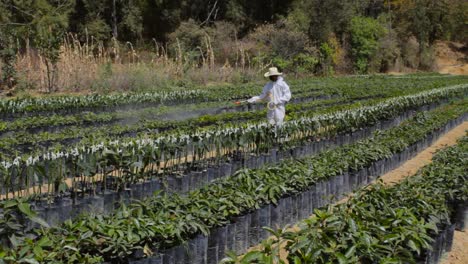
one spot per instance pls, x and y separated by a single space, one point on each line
459 253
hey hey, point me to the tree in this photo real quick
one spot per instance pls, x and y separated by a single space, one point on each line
458 18
365 34
7 51
93 19
15 24
106 19
131 24
8 56
50 23
328 17
429 20
44 21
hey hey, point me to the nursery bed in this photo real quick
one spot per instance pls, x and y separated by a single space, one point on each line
459 254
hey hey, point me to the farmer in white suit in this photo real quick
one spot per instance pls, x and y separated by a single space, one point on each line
276 93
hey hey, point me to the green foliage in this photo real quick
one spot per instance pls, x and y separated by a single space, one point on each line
365 34
236 14
252 137
167 220
271 253
188 37
280 39
49 31
241 31
430 20
457 22
299 16
388 52
97 29
282 63
7 47
80 125
14 217
98 19
326 59
45 21
282 45
327 17
8 57
131 26
385 224
305 63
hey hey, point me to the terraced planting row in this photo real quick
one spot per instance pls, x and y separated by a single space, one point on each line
159 226
69 105
28 141
162 113
133 160
42 108
29 133
182 181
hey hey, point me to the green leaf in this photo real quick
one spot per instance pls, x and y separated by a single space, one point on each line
26 209
390 237
413 246
352 225
10 203
38 251
251 256
350 251
40 221
29 260
297 260
341 258
14 241
71 248
44 242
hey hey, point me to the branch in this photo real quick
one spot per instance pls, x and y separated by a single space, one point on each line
23 11
66 4
209 14
14 24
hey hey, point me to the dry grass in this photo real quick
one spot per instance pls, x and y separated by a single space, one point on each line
91 67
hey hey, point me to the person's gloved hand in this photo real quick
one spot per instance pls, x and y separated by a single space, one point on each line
253 99
271 105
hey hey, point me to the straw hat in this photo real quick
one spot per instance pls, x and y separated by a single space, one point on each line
273 71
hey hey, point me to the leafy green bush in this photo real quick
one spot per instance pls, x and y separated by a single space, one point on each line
365 35
188 37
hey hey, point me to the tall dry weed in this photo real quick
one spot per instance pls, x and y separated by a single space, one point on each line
91 67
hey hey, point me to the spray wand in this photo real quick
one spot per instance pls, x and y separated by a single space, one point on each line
240 102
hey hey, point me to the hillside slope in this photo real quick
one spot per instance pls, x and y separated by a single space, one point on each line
451 58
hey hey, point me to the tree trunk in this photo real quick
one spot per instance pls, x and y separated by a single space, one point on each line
49 77
54 77
115 32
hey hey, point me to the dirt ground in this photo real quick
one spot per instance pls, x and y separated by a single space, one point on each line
451 58
423 158
459 253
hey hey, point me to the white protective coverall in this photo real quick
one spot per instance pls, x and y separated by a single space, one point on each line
276 94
